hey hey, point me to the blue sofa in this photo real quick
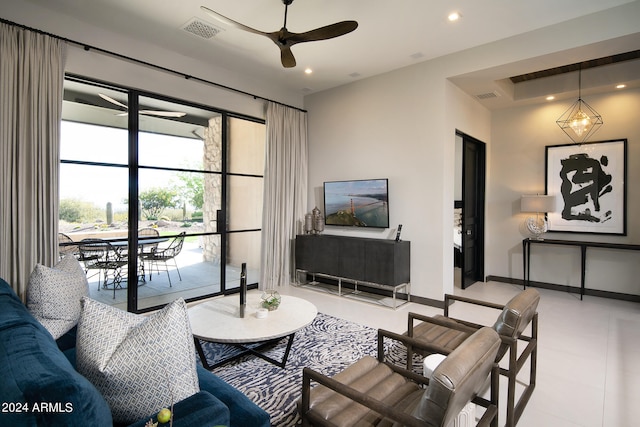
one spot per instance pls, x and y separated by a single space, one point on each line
39 385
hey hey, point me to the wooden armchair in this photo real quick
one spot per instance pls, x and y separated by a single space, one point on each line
515 316
376 393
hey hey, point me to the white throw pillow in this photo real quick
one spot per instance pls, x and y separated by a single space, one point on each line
139 364
54 294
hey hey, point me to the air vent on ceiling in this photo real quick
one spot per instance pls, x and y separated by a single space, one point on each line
201 28
487 95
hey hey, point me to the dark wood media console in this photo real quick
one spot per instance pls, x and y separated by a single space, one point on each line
368 263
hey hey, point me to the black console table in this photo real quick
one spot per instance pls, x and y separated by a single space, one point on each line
526 254
372 263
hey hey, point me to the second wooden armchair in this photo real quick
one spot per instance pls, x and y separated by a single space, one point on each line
374 393
512 323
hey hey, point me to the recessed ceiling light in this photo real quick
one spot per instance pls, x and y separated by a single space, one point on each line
454 16
308 70
621 86
550 98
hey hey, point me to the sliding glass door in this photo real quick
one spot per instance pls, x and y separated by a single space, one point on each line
176 187
245 166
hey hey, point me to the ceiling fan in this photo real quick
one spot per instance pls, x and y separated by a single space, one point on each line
284 39
147 112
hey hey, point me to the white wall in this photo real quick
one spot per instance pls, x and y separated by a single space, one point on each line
457 189
370 129
401 125
517 153
397 126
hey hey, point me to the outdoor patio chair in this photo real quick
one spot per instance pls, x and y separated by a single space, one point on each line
375 393
143 248
162 255
110 262
66 246
515 316
150 233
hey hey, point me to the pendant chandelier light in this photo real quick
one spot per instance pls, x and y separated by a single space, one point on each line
580 121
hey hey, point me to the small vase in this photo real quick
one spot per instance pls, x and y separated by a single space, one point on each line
271 299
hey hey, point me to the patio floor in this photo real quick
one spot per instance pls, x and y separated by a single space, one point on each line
198 278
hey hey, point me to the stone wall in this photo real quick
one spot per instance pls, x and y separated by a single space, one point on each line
212 161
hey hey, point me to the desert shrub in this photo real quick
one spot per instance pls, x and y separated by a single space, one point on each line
155 200
121 216
75 211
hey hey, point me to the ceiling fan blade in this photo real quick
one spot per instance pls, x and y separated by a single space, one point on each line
197 135
285 39
323 33
148 112
111 100
286 57
229 21
163 113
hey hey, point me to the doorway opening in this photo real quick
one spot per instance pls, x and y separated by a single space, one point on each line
469 201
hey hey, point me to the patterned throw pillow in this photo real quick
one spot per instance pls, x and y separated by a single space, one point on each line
139 364
54 294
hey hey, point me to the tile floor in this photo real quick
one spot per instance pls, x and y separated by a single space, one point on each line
588 355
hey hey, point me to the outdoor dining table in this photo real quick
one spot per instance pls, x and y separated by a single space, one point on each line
118 246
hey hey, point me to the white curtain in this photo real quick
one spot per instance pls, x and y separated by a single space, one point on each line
285 192
31 81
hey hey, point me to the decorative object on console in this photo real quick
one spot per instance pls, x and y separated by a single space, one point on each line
398 233
580 121
589 181
358 203
271 299
314 222
243 288
538 204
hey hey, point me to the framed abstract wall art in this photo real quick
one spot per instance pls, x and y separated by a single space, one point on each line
589 182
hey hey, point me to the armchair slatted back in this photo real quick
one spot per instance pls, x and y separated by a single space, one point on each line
516 315
459 378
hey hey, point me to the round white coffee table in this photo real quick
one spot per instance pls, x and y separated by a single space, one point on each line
219 321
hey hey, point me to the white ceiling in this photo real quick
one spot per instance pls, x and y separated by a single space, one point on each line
391 34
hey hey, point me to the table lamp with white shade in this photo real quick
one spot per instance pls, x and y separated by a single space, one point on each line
538 204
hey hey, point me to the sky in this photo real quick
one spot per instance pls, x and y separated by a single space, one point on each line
100 185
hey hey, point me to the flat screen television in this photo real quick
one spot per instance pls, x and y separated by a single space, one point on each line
357 203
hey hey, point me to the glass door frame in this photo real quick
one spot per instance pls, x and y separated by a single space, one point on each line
133 129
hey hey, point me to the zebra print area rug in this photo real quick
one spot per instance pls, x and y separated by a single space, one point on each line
328 345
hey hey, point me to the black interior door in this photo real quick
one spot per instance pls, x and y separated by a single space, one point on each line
473 188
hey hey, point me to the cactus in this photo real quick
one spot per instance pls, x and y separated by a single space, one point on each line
109 213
